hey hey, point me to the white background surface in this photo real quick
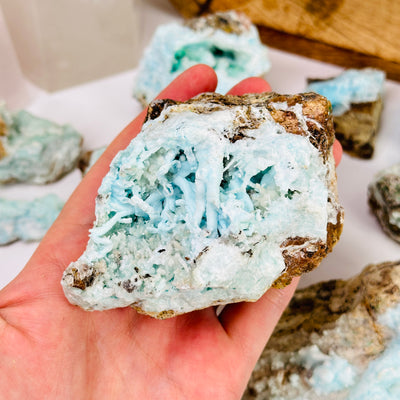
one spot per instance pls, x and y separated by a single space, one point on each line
99 110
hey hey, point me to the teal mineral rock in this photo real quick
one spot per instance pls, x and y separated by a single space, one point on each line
228 42
27 220
35 150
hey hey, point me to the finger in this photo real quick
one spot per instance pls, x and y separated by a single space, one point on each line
69 233
337 151
250 85
251 324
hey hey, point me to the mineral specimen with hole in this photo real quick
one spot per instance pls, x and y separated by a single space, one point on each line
337 340
228 42
216 200
357 100
27 220
35 150
384 200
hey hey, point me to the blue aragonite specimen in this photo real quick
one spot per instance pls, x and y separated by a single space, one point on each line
35 150
350 87
338 340
228 42
27 220
357 101
217 199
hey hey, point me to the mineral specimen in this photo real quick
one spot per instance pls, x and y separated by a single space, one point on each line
356 97
217 199
384 200
89 158
27 220
227 42
337 340
35 150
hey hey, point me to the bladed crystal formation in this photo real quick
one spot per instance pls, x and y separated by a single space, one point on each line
217 199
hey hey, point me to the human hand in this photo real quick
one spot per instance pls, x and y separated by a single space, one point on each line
50 349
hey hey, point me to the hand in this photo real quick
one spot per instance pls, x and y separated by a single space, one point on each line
50 349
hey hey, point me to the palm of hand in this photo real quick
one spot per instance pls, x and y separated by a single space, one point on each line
51 349
58 351
64 352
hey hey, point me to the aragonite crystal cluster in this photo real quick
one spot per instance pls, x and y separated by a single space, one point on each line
357 100
27 220
35 150
337 340
216 200
384 200
228 42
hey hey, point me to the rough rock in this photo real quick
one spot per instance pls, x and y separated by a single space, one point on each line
384 200
357 102
336 340
35 150
89 158
27 220
217 199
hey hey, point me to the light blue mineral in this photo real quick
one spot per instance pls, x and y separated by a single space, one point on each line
35 150
27 220
199 208
227 42
351 86
337 341
381 380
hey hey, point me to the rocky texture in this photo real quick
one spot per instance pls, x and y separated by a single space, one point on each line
217 199
89 158
384 200
336 340
356 97
35 150
27 220
227 42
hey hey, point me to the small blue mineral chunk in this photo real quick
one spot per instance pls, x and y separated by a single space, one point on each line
352 86
27 220
35 150
227 42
